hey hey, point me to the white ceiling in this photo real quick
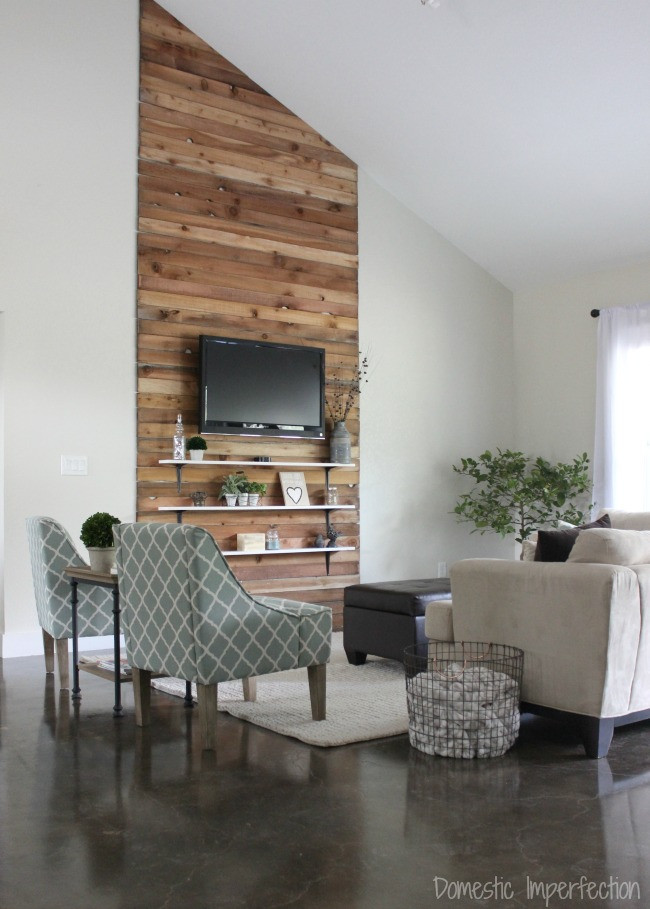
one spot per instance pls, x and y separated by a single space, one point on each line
519 129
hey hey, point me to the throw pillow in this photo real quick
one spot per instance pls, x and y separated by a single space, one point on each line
555 545
612 547
529 545
528 548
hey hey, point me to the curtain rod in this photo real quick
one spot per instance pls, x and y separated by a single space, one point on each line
595 313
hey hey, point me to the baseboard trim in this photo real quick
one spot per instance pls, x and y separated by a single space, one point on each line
30 643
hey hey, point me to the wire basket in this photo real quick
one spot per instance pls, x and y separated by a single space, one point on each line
463 698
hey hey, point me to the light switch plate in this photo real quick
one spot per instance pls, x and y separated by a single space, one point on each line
74 465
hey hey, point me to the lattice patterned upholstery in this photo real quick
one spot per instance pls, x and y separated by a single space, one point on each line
185 614
51 550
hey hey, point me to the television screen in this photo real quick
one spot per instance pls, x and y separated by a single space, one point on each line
255 388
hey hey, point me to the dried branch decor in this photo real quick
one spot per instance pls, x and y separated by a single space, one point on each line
342 394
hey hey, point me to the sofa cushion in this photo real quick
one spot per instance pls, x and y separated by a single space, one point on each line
608 546
627 520
555 545
529 545
439 621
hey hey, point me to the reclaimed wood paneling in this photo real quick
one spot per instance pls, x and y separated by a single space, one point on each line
247 229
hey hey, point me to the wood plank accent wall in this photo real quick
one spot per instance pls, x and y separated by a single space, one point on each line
247 229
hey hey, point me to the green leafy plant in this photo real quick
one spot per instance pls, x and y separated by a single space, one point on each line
97 530
233 484
255 488
516 494
196 443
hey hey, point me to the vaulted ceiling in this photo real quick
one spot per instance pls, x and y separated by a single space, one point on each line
519 129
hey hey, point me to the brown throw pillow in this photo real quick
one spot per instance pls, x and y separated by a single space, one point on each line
555 545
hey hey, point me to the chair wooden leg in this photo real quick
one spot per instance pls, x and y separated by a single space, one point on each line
206 695
142 696
48 650
63 660
317 690
250 689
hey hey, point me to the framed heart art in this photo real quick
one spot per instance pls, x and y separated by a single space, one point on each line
294 489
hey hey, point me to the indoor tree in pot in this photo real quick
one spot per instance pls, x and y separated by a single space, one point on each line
97 537
196 445
516 494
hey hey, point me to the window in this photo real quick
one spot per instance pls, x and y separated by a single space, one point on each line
622 443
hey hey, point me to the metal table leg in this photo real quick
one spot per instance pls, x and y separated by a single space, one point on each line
76 690
117 708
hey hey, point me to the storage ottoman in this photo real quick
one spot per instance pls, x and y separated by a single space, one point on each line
383 619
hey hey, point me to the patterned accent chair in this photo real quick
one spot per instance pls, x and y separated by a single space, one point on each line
51 550
184 614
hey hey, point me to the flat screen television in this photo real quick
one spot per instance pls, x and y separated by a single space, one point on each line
255 388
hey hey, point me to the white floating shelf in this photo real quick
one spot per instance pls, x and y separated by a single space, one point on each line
236 508
265 552
315 465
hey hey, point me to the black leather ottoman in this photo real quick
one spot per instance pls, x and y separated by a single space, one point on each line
383 619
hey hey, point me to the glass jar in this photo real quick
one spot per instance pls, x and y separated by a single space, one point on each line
272 537
332 496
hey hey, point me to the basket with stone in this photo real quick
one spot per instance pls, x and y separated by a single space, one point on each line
463 698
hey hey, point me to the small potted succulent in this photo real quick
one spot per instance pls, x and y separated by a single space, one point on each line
231 487
255 491
196 445
97 537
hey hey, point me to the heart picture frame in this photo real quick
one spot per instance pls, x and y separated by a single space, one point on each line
294 489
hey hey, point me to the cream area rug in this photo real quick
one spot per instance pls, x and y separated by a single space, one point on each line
363 702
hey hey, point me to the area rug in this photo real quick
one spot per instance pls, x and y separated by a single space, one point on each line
363 702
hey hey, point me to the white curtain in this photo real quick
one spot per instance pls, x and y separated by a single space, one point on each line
622 444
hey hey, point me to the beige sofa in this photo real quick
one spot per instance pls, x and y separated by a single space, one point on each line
584 625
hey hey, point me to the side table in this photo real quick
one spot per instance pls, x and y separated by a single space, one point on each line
83 575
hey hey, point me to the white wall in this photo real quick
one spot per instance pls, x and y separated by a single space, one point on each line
438 331
70 73
555 358
438 328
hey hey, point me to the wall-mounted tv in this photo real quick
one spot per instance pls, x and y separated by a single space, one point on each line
255 388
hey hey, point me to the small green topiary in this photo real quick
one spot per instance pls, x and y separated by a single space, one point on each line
197 443
97 530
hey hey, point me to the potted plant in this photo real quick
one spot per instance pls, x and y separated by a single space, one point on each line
196 445
231 487
516 494
97 537
255 491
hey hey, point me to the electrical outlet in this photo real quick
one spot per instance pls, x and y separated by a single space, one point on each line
74 465
442 569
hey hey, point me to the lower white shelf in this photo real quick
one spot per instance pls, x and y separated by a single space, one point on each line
233 509
287 551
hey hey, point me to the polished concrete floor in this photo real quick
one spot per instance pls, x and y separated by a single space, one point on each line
95 813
